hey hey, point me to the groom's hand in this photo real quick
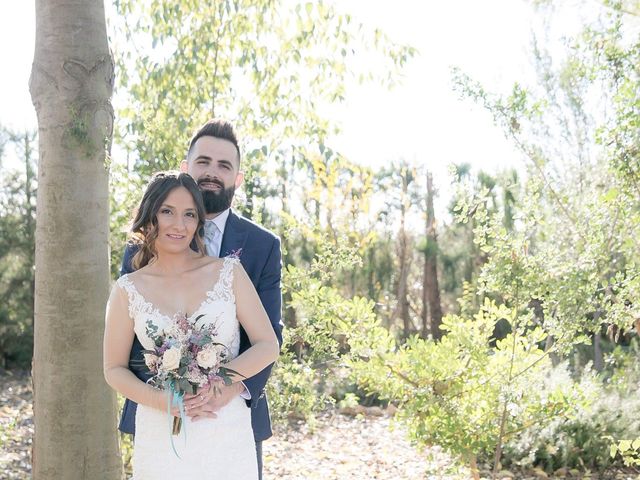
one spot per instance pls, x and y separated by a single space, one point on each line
216 402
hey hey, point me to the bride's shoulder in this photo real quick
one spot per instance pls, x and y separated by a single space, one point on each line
130 281
208 264
135 276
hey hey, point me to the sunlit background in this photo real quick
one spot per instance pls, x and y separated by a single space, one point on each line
422 120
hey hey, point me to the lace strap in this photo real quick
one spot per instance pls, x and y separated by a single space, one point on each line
224 286
226 273
134 297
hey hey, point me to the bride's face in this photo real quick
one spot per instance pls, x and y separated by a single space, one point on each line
177 221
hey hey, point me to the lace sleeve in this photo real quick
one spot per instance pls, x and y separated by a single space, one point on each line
223 289
134 299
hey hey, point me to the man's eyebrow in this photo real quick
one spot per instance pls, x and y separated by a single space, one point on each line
203 157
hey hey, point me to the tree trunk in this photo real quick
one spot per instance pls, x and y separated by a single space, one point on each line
403 294
71 85
402 291
290 313
425 293
598 356
431 286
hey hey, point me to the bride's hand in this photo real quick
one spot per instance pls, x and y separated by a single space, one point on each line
200 398
223 395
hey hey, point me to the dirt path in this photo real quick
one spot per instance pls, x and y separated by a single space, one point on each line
341 447
345 447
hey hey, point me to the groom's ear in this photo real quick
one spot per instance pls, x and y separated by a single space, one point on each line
184 165
239 179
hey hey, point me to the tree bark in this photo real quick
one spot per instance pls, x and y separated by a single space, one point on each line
71 85
402 290
403 300
431 285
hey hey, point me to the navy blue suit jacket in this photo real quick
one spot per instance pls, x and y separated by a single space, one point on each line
259 252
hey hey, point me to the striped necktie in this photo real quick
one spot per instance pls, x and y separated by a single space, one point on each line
212 238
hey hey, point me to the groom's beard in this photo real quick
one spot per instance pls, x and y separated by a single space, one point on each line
217 201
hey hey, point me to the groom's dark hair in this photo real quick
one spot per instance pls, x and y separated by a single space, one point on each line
218 128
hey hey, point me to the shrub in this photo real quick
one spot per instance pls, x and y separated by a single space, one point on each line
461 393
583 439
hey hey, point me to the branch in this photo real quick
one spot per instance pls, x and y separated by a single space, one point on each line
403 376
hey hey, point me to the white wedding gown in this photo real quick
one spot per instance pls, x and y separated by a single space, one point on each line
222 448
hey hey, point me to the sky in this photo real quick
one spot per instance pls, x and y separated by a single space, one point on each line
423 120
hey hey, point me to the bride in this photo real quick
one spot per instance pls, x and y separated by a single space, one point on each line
173 280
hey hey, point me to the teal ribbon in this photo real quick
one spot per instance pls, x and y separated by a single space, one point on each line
176 399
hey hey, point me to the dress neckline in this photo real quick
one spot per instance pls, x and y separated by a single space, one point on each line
156 311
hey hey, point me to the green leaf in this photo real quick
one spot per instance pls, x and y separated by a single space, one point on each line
624 445
611 194
185 386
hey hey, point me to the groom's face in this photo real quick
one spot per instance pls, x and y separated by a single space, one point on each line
214 164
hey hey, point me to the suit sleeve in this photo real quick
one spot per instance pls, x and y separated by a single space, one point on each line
127 420
270 294
127 259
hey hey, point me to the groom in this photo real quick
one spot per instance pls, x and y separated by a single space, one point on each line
213 160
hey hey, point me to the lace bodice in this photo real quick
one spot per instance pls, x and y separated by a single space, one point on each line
218 307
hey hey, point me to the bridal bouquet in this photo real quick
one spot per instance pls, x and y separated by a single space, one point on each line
184 359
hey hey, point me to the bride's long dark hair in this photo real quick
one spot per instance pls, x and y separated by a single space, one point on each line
144 229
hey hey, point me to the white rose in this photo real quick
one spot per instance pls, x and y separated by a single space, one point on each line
171 359
207 357
222 352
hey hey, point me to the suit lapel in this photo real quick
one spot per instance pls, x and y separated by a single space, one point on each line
235 236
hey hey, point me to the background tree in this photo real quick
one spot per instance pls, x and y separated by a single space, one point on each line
268 66
402 194
17 222
431 307
71 85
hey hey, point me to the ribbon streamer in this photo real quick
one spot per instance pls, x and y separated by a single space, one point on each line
176 399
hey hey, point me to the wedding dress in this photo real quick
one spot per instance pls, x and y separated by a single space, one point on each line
222 448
